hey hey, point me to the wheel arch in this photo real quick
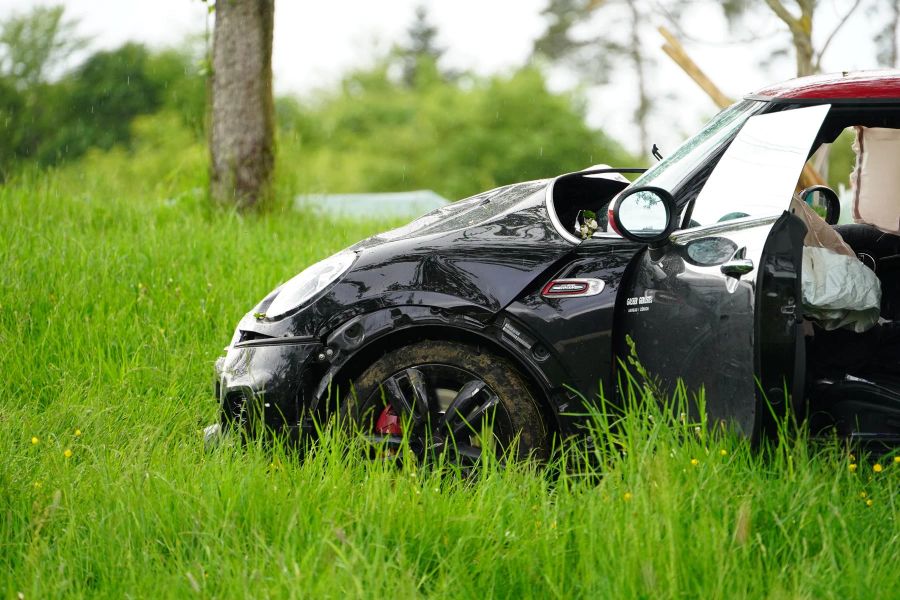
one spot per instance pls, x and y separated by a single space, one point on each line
349 363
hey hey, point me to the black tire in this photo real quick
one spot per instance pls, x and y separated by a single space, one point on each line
431 369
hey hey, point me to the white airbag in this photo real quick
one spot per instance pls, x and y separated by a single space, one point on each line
839 291
876 179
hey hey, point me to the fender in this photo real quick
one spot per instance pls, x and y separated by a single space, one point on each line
353 344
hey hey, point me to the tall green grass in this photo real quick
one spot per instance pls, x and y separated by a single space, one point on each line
118 289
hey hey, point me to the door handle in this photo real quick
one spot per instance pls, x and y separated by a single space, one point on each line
737 267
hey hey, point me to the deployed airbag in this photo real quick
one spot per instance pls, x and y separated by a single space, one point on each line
876 179
838 290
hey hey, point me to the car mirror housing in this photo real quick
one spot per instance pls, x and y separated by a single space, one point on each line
829 198
644 214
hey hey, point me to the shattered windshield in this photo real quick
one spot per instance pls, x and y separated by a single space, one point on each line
668 173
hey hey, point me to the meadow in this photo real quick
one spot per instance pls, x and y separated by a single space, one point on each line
120 286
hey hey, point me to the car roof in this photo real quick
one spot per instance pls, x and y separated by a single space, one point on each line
849 85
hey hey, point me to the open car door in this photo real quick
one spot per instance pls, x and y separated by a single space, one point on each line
718 304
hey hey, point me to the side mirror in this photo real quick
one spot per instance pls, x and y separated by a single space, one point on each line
829 199
644 214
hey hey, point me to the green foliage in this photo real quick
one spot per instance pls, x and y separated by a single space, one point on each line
458 137
114 301
100 100
841 160
421 50
93 105
32 44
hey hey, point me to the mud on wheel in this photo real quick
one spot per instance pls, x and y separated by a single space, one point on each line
447 397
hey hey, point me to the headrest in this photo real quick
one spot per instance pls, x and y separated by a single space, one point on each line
876 179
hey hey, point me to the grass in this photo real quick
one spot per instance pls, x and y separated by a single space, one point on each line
119 291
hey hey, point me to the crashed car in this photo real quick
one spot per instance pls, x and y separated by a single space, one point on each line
512 306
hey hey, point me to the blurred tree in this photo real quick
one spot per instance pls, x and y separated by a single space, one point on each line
421 47
595 57
456 137
182 84
799 17
886 38
32 44
241 136
12 129
98 102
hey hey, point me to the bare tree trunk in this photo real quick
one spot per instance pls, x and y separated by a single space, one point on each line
637 58
801 32
888 56
241 138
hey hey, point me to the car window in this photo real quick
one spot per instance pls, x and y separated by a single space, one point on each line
757 174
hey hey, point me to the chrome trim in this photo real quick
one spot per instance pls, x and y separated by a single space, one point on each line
594 287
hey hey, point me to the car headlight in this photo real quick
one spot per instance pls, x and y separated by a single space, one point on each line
310 282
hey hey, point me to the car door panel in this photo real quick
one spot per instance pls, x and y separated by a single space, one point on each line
734 338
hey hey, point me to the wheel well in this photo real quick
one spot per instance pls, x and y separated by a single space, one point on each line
410 335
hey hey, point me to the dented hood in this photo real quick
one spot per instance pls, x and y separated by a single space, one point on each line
481 251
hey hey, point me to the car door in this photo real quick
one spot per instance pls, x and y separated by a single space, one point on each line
718 304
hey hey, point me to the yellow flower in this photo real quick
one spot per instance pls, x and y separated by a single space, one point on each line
852 467
627 497
723 452
34 440
877 468
77 433
852 457
67 453
869 502
695 462
897 459
863 494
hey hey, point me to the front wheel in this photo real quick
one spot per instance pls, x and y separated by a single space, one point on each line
447 396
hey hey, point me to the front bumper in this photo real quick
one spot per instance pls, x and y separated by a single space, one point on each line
267 383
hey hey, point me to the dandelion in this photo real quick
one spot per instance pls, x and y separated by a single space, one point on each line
863 494
897 460
67 453
852 467
34 441
627 497
77 433
877 468
869 502
695 462
723 452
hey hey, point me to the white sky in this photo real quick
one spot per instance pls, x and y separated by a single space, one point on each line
316 41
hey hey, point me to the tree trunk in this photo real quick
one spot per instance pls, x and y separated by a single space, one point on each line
801 32
241 139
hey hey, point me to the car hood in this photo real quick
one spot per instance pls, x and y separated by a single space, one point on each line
479 253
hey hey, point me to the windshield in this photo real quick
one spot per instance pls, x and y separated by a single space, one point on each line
671 171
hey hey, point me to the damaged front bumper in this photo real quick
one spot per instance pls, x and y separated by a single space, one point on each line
267 385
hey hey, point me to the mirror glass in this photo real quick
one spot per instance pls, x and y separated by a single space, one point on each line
644 214
709 251
825 202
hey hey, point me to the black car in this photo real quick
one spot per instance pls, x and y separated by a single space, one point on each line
514 305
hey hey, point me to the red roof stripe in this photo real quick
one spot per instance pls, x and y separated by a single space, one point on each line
849 85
